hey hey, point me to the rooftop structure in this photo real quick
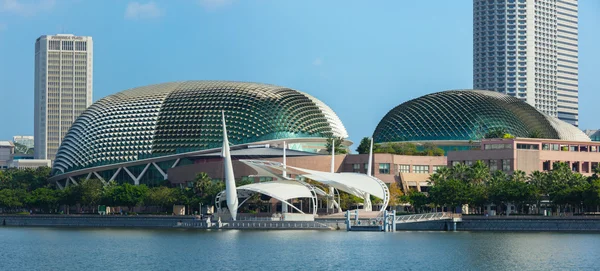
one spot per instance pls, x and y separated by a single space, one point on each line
165 124
460 116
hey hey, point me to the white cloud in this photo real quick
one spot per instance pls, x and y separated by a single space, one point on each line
214 4
318 61
26 8
150 10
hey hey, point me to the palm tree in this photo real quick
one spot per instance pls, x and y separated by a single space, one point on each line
518 176
339 147
538 180
460 172
479 173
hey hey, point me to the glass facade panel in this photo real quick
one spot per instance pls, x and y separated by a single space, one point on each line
404 168
180 117
434 117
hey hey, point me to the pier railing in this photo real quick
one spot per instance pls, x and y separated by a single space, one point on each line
423 217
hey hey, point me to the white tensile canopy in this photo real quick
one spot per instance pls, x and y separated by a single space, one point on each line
282 190
360 185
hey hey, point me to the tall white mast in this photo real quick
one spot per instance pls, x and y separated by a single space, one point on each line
333 203
284 206
230 188
284 173
332 155
368 206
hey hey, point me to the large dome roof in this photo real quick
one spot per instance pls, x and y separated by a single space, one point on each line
468 115
181 117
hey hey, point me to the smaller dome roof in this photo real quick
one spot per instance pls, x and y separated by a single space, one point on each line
468 115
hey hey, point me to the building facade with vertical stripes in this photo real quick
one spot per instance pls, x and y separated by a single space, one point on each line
529 49
63 88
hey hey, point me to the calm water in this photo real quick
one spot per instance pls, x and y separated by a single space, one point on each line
119 249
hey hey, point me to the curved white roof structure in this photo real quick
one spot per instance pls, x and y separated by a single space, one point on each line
356 184
280 190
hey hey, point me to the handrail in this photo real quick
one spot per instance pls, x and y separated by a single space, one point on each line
423 217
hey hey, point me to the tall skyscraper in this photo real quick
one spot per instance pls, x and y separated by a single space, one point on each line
63 88
528 49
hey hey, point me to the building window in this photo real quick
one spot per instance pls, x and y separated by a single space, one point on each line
455 163
497 146
521 146
384 168
546 147
506 164
404 168
356 167
493 165
420 169
555 147
435 168
468 162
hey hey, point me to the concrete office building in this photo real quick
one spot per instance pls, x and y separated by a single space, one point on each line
529 49
531 154
6 152
63 88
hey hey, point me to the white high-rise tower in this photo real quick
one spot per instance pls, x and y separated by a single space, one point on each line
63 88
529 49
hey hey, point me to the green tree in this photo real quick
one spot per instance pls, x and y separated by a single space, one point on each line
450 193
478 173
43 198
536 134
495 133
364 146
11 199
127 195
339 147
163 196
430 149
90 192
348 202
418 200
395 194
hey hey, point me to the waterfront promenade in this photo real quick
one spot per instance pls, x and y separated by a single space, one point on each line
468 223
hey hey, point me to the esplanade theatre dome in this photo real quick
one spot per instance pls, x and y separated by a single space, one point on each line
181 117
466 115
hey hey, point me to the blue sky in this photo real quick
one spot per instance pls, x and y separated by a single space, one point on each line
362 58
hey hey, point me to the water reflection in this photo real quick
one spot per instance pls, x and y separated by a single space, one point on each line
132 249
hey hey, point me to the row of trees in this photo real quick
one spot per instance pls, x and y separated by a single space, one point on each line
428 149
26 189
477 187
